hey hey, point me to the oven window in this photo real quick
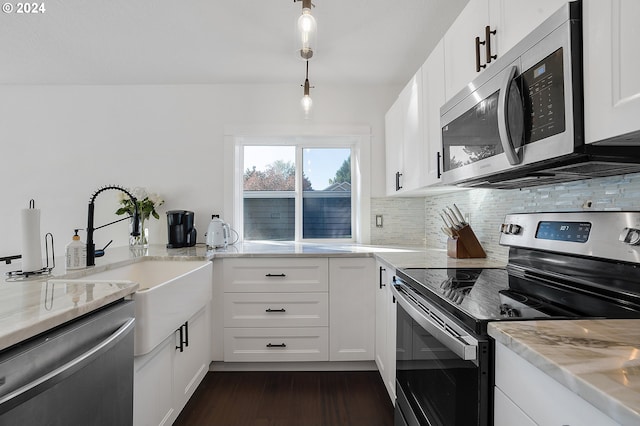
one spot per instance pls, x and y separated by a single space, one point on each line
441 388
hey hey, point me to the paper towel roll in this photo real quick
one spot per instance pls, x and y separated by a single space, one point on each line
31 241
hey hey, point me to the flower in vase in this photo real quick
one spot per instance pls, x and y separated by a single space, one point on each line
147 203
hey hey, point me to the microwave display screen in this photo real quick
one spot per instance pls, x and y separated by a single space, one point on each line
544 97
577 232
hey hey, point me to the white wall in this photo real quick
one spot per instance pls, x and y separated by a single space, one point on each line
61 143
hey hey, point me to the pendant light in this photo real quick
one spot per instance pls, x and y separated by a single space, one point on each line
307 32
306 101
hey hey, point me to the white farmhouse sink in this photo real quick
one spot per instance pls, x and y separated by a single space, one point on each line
170 292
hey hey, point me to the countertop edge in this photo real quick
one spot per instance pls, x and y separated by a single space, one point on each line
599 398
42 326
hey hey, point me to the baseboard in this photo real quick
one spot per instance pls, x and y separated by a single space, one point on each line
294 366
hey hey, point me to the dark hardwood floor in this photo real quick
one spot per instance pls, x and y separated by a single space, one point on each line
324 398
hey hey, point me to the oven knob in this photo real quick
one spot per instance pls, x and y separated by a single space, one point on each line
630 236
510 229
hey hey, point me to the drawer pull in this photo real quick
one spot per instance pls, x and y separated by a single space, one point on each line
276 310
281 345
275 275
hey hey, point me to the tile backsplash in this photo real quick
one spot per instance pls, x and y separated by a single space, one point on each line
416 222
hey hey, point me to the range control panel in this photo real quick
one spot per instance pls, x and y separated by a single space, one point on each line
607 235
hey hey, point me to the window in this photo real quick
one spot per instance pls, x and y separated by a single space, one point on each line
297 190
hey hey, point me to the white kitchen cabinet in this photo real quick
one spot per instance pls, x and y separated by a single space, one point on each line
433 96
191 365
515 19
385 349
153 400
296 309
165 378
508 22
460 46
258 344
394 146
507 412
404 139
538 397
275 309
351 309
611 69
283 275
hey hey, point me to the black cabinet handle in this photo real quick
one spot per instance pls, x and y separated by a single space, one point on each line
398 186
181 347
184 336
281 345
275 310
478 65
381 283
487 39
438 158
275 275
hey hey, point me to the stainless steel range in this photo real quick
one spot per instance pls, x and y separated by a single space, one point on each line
561 266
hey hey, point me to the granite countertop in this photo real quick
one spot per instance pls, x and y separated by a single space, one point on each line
597 359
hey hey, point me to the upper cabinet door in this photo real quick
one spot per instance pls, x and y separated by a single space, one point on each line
403 139
413 157
515 19
611 68
393 143
460 46
433 97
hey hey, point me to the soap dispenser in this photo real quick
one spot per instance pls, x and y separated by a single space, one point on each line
76 253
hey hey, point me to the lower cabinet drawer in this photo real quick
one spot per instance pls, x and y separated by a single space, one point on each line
276 310
276 344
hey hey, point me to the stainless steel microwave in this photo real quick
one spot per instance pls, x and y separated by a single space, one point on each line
520 122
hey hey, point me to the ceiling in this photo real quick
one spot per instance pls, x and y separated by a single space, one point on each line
119 42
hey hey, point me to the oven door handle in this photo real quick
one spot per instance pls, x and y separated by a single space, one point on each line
465 347
507 139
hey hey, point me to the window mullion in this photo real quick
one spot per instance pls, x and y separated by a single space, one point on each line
298 197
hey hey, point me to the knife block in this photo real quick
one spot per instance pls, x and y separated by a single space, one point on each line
465 244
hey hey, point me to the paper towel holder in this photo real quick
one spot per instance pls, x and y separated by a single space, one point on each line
46 270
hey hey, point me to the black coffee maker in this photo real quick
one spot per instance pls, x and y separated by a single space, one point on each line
180 229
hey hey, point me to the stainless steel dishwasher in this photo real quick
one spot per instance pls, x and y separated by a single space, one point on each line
80 373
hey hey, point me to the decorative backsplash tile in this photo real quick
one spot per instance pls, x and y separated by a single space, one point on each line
488 207
403 222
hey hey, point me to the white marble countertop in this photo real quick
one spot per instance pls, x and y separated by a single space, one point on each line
399 257
34 305
597 359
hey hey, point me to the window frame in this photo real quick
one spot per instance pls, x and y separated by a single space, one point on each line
358 138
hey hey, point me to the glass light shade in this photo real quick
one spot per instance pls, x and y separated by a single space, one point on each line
306 103
307 35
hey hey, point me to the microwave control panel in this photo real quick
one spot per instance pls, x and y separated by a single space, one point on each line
543 87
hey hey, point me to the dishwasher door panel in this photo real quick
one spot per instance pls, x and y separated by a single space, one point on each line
80 373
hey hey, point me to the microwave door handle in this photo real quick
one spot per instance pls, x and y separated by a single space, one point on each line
503 103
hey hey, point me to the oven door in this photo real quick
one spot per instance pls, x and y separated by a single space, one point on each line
442 375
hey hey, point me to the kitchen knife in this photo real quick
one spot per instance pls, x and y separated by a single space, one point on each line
445 221
455 218
453 224
460 215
